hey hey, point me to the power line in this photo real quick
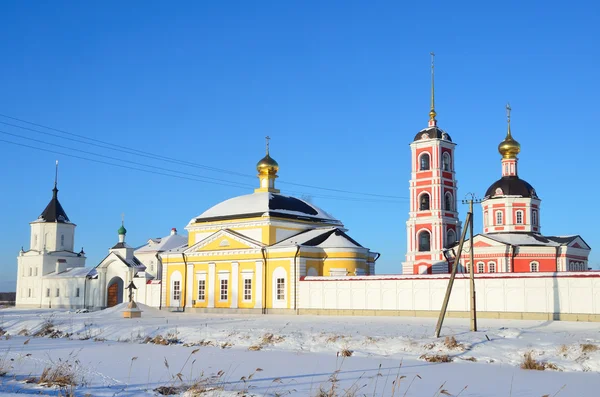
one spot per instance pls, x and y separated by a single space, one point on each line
169 172
110 146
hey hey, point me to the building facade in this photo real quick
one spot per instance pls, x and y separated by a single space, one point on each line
248 253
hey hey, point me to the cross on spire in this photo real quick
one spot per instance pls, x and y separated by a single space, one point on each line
508 109
123 219
56 175
432 113
267 138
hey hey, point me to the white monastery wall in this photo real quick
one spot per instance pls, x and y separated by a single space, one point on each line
575 293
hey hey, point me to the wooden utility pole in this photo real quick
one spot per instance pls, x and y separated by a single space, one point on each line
438 328
472 270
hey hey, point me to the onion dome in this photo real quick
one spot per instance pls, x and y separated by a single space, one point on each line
511 186
509 148
267 165
122 230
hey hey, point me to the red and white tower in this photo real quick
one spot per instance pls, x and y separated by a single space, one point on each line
433 222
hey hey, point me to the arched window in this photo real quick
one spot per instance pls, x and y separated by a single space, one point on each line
424 241
492 267
519 220
62 240
481 267
499 218
534 219
467 268
424 162
446 161
450 238
424 202
448 201
534 267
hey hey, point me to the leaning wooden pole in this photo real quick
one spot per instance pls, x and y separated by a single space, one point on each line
438 328
472 272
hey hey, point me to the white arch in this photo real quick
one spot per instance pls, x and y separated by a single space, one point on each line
446 162
492 267
534 266
428 161
480 267
428 201
448 202
419 239
450 237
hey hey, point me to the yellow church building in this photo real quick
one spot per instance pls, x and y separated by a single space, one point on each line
248 253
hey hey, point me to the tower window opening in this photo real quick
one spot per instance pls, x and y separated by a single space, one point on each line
534 218
424 241
499 218
424 162
519 217
424 202
446 161
448 202
450 238
62 240
485 219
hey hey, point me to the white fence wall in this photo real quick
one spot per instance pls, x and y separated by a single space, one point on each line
545 293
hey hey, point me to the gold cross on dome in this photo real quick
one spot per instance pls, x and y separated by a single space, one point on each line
267 138
123 218
508 109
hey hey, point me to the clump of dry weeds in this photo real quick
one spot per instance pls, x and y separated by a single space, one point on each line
345 352
451 343
436 358
588 348
266 340
170 339
531 363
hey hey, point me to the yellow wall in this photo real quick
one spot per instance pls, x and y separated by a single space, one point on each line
170 270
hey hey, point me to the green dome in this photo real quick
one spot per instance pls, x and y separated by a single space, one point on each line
122 230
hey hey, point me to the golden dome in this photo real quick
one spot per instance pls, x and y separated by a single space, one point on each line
509 148
267 165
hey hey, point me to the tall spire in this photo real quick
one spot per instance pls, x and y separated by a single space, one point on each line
432 113
54 212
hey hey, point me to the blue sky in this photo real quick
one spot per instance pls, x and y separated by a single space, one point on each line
341 87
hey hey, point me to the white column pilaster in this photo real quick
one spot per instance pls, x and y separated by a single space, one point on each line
211 287
258 289
235 285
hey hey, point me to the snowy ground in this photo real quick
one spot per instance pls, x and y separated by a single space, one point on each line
302 354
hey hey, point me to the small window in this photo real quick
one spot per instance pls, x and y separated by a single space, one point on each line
57 292
424 162
247 289
223 295
448 202
47 292
76 292
481 267
492 267
176 290
280 289
446 161
534 267
35 272
424 202
467 268
35 241
62 240
519 217
424 241
534 219
201 290
29 293
499 219
30 271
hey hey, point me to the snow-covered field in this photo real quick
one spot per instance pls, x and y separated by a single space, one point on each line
295 355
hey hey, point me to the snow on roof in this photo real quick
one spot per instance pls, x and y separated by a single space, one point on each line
529 239
170 242
264 203
328 237
74 272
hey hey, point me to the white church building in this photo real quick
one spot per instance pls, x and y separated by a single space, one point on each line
52 275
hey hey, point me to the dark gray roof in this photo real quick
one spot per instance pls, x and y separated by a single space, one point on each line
432 133
511 186
54 212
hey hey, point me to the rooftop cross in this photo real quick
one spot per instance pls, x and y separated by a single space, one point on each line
56 175
508 109
432 80
267 138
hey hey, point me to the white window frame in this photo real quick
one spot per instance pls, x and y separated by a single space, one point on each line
480 267
29 292
35 272
281 286
518 214
47 292
446 156
62 241
223 282
534 218
77 292
428 162
279 273
57 293
492 267
201 292
499 218
30 271
176 290
247 289
534 265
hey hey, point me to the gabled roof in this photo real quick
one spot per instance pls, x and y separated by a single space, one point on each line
74 272
133 263
524 239
54 212
252 244
329 237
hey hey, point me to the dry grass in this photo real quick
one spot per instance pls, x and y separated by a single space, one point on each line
60 374
531 363
472 359
588 348
436 358
334 338
564 349
23 332
266 340
161 340
345 352
255 348
451 343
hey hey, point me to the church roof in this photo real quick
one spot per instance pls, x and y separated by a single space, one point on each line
74 272
432 133
524 239
162 244
330 237
511 186
261 204
54 212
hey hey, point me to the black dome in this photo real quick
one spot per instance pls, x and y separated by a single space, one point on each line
432 133
511 186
